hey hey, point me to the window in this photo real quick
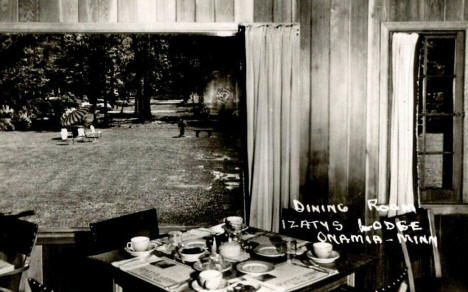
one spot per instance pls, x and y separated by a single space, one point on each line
439 116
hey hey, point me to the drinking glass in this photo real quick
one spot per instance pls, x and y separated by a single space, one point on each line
175 238
291 247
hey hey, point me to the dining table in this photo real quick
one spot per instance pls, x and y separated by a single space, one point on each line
304 274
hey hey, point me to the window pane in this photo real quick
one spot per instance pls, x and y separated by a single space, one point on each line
443 128
440 56
439 98
437 171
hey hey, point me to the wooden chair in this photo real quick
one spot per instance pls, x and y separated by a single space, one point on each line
411 251
116 232
17 240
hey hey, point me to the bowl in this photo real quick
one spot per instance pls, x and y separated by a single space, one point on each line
191 254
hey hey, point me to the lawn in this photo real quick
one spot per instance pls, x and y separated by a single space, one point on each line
130 168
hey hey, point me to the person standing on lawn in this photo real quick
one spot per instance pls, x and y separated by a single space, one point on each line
181 124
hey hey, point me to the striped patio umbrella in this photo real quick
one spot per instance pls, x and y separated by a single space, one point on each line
74 117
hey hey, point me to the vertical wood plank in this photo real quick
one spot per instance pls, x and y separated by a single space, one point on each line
434 10
376 15
244 10
69 11
320 95
146 11
166 10
49 10
185 11
8 10
305 20
282 11
224 10
127 11
263 10
28 10
358 101
205 11
339 86
88 11
454 10
399 10
107 11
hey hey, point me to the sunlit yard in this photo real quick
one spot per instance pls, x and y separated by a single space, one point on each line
126 170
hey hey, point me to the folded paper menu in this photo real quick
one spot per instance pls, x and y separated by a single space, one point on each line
288 277
165 273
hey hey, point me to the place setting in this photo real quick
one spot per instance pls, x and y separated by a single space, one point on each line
322 253
140 246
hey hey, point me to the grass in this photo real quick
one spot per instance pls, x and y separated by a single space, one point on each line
127 170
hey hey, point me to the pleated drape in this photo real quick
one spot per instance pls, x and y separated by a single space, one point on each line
402 129
272 60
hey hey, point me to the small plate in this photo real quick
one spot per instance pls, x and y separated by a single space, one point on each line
269 251
199 266
334 255
197 287
152 247
255 268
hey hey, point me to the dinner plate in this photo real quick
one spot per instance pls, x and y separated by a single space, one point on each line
199 266
255 268
152 247
198 288
334 255
267 250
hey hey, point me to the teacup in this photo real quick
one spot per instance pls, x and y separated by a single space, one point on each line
322 249
139 243
211 279
235 222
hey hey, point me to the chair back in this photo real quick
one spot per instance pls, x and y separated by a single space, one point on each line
414 248
17 236
81 132
17 240
64 134
116 232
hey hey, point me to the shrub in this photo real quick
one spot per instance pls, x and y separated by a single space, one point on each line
22 121
6 124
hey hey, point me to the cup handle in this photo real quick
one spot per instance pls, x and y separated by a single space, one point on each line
129 245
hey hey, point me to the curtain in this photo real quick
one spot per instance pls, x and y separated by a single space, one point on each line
402 127
272 59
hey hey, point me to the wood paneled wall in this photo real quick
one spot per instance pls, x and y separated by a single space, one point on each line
143 11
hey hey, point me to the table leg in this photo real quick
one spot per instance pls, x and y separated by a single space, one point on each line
351 280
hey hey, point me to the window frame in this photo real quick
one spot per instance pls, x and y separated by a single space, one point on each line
385 94
453 194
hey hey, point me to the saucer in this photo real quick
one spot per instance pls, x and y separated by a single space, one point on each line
197 287
334 255
269 251
255 268
152 247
